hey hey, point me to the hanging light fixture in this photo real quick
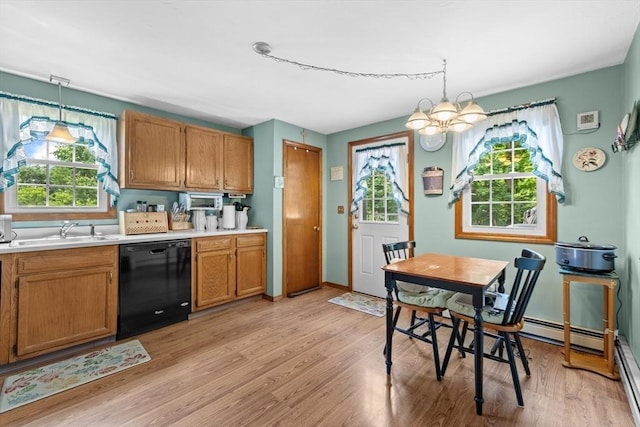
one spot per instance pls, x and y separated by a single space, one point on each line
446 116
60 131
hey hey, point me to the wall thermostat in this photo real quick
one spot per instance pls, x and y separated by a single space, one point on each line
588 120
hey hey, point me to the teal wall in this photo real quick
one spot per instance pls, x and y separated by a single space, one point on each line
603 205
268 140
593 199
630 184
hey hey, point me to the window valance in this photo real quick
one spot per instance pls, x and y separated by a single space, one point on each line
389 159
536 127
22 118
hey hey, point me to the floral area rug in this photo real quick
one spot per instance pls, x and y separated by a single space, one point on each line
360 302
35 384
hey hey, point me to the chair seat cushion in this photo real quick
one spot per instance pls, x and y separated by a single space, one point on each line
405 286
489 315
430 298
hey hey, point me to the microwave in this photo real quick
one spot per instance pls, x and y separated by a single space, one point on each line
201 201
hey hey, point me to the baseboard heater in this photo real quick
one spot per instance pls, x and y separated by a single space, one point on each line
630 376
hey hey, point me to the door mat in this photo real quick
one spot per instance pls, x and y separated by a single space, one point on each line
35 384
363 303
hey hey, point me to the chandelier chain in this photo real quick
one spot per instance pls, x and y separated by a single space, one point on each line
410 76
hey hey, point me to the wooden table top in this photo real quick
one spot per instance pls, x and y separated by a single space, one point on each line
451 268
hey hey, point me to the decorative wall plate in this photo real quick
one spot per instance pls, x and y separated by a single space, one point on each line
589 159
432 142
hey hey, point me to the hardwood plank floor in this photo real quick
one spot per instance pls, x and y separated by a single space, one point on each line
307 362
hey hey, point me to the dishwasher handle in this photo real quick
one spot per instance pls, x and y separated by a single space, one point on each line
154 247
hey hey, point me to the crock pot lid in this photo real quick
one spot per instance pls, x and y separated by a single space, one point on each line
586 245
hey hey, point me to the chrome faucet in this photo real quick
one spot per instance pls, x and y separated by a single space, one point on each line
65 227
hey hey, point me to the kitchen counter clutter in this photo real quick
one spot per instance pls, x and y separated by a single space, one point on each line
42 239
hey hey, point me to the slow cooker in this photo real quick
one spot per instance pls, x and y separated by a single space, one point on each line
585 256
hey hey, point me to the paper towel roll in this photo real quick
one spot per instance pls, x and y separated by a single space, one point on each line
229 217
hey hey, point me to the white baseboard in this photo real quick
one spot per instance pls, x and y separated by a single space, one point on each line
630 376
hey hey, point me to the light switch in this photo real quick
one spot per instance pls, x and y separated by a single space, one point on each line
341 209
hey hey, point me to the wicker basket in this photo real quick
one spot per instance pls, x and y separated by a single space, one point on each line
143 222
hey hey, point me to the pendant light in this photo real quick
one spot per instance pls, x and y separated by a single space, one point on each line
446 116
60 131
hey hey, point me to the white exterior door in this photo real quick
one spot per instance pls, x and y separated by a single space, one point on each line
377 221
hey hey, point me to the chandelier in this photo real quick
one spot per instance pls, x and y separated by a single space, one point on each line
60 131
446 116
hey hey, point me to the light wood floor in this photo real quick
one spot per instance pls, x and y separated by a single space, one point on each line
306 362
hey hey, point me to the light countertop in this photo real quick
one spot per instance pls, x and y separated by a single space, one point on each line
109 235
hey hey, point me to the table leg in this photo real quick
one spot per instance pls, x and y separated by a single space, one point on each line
389 283
478 347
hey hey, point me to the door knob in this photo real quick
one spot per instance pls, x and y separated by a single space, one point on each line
355 226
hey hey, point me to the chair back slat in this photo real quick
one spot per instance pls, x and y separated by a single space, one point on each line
398 250
529 266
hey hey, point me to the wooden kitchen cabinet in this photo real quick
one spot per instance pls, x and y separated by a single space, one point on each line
238 164
203 166
63 298
163 154
251 262
228 268
151 152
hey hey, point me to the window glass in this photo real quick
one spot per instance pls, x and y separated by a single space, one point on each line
59 177
378 204
505 200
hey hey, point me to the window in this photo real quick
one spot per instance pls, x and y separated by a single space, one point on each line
58 178
505 200
41 180
378 204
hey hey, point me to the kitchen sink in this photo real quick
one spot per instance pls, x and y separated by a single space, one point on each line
57 240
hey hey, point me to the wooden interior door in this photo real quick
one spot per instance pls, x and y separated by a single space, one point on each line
302 228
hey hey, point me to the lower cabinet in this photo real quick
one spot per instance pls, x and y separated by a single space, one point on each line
63 298
228 268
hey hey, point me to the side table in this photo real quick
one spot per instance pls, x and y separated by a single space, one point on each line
602 364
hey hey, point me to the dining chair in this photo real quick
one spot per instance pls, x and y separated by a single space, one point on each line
429 302
501 324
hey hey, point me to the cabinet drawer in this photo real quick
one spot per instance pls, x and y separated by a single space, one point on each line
215 244
66 259
250 240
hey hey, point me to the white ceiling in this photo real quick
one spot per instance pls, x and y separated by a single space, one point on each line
195 58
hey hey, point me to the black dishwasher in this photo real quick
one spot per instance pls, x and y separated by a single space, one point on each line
155 285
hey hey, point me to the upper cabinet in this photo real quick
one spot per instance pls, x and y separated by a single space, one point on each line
153 152
163 154
203 159
238 163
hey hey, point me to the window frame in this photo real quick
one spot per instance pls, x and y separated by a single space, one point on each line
546 228
9 205
386 199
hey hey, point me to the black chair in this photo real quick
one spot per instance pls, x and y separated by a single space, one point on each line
429 302
503 325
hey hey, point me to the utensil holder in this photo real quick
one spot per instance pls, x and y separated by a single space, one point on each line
178 221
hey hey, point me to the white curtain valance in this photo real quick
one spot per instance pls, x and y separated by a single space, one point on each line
23 118
537 128
389 159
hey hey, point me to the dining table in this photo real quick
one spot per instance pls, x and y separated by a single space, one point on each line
450 272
